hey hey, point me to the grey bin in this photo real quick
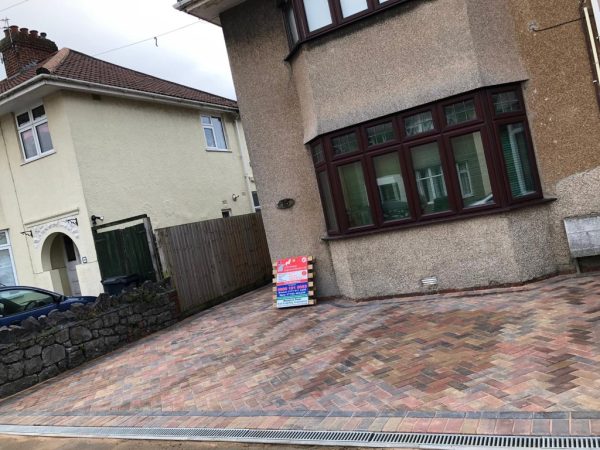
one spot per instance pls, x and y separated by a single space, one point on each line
115 285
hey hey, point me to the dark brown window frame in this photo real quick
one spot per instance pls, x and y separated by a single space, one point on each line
488 123
338 21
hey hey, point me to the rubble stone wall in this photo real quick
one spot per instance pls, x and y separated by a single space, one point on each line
39 349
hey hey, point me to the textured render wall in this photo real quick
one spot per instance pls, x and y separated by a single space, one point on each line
43 191
271 113
39 349
564 116
416 53
489 250
142 158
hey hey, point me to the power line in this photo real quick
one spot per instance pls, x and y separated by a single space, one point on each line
13 5
155 38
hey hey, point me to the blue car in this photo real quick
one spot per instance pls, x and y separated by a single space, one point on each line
17 303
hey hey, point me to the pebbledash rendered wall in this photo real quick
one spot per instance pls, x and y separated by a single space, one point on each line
416 53
39 349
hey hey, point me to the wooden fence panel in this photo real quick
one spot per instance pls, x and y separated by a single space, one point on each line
214 260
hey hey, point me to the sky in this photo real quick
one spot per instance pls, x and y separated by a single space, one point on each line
194 56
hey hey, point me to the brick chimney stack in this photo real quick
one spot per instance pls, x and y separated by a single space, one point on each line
21 48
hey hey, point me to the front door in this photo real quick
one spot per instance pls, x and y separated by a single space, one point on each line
71 262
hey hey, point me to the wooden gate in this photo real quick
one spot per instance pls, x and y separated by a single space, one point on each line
127 250
215 260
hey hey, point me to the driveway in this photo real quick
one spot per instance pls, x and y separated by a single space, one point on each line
520 360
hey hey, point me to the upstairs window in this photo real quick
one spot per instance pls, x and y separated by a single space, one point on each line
214 133
455 157
307 18
34 133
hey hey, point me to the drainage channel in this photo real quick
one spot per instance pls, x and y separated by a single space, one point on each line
316 438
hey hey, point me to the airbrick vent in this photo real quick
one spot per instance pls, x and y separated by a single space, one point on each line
323 438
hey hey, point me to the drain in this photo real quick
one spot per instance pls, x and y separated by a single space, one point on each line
323 438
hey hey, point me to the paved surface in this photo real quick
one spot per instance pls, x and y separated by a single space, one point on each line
519 360
20 443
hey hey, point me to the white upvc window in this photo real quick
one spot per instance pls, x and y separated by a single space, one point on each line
8 274
34 133
464 178
214 132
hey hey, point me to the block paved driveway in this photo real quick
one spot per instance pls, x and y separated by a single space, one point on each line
520 360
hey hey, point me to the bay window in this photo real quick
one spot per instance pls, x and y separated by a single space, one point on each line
456 157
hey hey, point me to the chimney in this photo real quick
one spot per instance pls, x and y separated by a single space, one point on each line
21 48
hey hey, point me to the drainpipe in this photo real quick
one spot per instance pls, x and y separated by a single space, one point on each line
245 163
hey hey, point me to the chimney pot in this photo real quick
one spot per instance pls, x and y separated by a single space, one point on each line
25 30
6 32
14 29
43 35
33 33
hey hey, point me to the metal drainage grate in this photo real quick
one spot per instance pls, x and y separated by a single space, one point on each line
324 438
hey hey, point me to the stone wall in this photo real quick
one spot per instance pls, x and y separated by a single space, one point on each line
42 348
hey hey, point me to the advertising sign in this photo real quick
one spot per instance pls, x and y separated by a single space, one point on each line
293 282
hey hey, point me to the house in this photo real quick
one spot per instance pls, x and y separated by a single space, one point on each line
87 143
425 142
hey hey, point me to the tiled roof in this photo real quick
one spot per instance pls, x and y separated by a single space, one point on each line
73 65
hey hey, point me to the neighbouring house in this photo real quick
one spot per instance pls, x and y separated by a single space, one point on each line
84 142
425 142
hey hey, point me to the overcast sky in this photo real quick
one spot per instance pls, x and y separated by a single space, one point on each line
194 56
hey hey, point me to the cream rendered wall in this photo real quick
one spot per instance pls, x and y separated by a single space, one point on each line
37 196
145 158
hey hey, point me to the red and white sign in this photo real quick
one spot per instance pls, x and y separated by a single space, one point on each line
292 282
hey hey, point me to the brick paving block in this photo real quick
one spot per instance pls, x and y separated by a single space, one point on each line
580 427
504 426
486 426
453 425
522 427
595 427
421 425
437 426
560 427
407 425
541 427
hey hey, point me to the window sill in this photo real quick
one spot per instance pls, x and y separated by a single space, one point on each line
219 150
43 155
486 212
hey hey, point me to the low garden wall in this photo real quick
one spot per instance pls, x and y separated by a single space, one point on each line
42 348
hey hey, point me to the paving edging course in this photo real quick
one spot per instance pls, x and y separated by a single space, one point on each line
39 349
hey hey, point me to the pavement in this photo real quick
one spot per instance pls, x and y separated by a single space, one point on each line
522 361
26 442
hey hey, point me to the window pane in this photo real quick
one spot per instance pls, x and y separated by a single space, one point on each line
210 138
317 14
429 174
472 170
518 167
255 201
44 137
219 132
290 17
3 238
356 199
206 120
350 7
22 119
317 153
7 276
19 300
28 144
325 188
419 123
38 112
346 143
506 102
380 134
391 187
460 112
